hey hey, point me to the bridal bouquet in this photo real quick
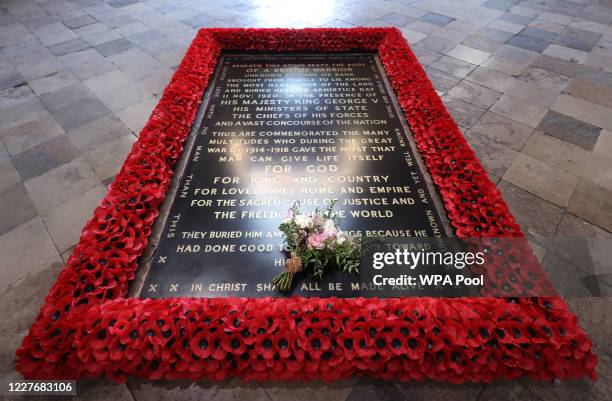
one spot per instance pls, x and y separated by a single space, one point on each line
316 242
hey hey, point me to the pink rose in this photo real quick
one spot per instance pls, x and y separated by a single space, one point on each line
316 241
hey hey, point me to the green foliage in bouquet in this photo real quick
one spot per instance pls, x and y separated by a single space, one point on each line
316 243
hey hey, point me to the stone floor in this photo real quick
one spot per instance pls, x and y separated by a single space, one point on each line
529 82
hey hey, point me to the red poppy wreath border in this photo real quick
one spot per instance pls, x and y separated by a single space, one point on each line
87 328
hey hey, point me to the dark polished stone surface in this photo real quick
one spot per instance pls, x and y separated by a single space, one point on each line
280 129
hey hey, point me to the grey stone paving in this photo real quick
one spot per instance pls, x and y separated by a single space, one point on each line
529 82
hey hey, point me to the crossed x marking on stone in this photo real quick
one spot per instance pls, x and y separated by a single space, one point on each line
174 287
152 287
162 259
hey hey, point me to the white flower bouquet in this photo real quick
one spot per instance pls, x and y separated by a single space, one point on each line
316 242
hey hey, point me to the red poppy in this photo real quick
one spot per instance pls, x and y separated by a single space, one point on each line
202 344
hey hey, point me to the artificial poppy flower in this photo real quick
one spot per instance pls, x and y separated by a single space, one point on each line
202 344
233 344
264 346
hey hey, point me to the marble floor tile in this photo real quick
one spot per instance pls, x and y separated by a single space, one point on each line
436 43
19 305
507 26
59 185
603 146
53 82
76 114
501 5
528 43
173 28
40 69
598 241
539 34
3 152
121 97
53 33
70 46
20 114
593 26
503 130
67 220
413 36
494 156
570 130
155 83
441 81
151 42
545 25
558 153
566 53
592 85
106 160
312 391
106 82
519 110
30 134
469 54
79 22
584 110
136 64
369 389
423 27
482 43
17 207
516 18
555 17
602 62
132 28
556 65
15 95
489 78
464 113
475 94
25 249
538 218
578 39
451 34
9 175
430 390
534 94
136 115
516 54
453 66
96 34
162 390
43 157
436 19
397 19
60 98
495 34
504 65
97 133
425 56
541 179
527 390
593 203
545 79
598 170
10 79
114 46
